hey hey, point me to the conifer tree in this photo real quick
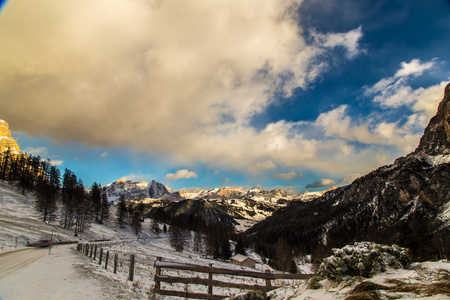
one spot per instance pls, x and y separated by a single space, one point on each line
104 212
136 222
155 227
121 212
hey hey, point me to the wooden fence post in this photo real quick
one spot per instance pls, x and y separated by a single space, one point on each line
116 258
157 273
210 277
91 251
106 260
267 280
100 256
131 271
95 252
86 250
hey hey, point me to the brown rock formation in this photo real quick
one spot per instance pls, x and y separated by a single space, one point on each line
6 140
436 138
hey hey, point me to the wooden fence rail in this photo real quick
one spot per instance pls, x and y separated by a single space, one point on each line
96 252
91 251
210 283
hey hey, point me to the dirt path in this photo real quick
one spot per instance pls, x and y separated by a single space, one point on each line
16 260
34 274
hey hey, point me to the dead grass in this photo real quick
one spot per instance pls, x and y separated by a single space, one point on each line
367 290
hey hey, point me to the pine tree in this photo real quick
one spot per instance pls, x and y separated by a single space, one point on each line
225 250
104 211
176 238
121 212
96 199
198 242
155 227
239 249
136 222
293 269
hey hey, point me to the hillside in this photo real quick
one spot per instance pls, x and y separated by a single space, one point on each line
407 202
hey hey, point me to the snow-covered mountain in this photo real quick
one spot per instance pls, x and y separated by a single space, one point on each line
139 190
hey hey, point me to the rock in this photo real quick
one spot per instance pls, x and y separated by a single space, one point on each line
436 138
157 190
6 140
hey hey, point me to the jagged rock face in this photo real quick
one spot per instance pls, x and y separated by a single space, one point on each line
139 190
130 190
436 138
406 203
157 190
6 141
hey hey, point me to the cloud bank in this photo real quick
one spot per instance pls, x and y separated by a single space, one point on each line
183 80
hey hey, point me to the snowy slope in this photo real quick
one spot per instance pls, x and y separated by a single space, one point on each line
74 276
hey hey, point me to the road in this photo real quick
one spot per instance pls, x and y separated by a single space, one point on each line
34 274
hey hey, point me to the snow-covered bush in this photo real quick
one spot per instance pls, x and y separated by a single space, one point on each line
362 259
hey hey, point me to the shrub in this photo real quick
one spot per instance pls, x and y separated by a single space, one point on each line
362 259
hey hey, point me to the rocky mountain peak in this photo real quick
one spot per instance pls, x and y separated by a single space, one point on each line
6 140
157 190
436 138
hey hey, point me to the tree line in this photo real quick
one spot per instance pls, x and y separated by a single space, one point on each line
78 207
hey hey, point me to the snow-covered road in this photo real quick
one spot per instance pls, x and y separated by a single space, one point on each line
34 274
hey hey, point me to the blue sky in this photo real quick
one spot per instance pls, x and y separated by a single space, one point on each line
300 95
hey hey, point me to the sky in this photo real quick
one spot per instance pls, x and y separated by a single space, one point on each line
293 94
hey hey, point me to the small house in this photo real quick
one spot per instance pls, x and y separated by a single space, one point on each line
243 260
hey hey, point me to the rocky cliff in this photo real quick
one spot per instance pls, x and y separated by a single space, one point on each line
6 140
407 203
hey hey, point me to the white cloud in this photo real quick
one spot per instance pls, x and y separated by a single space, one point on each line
415 67
288 176
349 178
348 40
181 174
321 183
393 91
44 154
262 166
137 177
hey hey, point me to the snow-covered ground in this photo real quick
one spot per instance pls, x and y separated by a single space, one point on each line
68 274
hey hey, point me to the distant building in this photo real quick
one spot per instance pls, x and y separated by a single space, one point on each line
243 260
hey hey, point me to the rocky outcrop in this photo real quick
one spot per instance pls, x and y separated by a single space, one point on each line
436 138
406 203
6 140
157 190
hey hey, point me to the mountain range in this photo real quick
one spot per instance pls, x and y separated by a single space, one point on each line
234 206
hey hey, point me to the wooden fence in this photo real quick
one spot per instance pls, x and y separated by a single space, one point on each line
225 278
210 282
92 250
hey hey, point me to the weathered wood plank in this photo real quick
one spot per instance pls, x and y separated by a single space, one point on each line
205 269
189 295
218 283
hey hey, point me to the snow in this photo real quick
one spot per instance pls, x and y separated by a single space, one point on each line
437 159
67 274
